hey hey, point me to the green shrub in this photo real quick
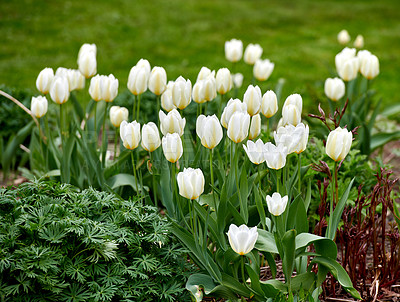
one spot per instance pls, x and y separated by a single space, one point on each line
59 244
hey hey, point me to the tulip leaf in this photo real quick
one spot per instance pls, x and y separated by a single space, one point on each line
235 285
243 191
380 139
260 207
305 281
77 106
339 273
255 282
391 110
272 287
324 246
123 179
238 219
289 247
66 158
337 213
271 262
266 242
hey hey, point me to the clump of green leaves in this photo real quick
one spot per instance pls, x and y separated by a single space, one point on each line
59 244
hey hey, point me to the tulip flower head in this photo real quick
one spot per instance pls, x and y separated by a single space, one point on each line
343 37
117 115
269 104
346 54
252 53
334 88
291 115
255 126
347 64
158 80
44 79
255 151
146 65
302 145
233 50
338 143
262 69
238 126
275 156
223 80
87 48
103 88
39 106
150 137
294 99
237 79
138 79
59 90
363 54
369 67
209 130
87 63
166 98
204 90
276 204
293 138
252 98
205 73
130 134
233 106
75 78
359 42
242 239
190 183
182 93
172 147
172 122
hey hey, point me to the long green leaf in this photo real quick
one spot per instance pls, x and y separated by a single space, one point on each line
380 139
266 242
289 248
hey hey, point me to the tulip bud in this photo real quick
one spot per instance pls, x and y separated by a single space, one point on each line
334 88
158 80
182 93
204 90
294 99
262 69
95 89
59 90
348 71
252 98
75 79
237 79
343 56
39 106
205 73
238 126
359 41
172 122
137 80
117 115
242 239
291 115
276 204
130 134
293 138
191 183
363 54
146 65
87 63
150 137
110 89
252 53
209 130
269 104
233 50
370 67
338 143
255 126
232 106
275 156
44 79
166 98
255 151
224 80
172 147
343 37
87 48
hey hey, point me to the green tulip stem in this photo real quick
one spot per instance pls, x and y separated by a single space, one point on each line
115 143
173 188
158 101
138 108
242 266
336 182
48 141
268 127
221 103
61 126
299 173
133 107
243 208
103 138
206 109
134 172
278 179
154 178
40 138
95 124
212 178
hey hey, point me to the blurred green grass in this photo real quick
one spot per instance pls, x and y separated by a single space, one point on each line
182 36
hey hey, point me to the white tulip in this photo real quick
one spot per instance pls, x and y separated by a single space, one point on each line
172 122
172 147
110 88
291 115
363 54
255 126
117 115
232 106
338 143
87 63
44 79
343 37
166 98
59 90
276 204
252 53
238 126
334 88
87 48
130 134
349 70
359 41
294 99
138 80
302 145
205 73
343 56
182 93
255 151
143 63
262 69
237 79
269 104
370 67
233 50
223 80
252 98
242 239
291 137
209 130
39 106
275 156
158 80
191 183
95 89
204 90
150 137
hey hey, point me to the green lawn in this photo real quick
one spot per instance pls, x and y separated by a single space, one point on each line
183 36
